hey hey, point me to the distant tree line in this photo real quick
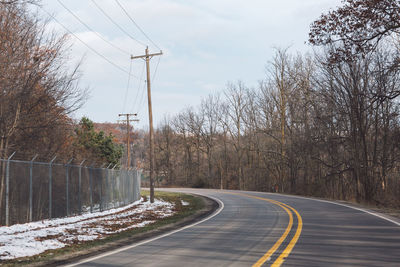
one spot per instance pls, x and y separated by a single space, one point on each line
324 124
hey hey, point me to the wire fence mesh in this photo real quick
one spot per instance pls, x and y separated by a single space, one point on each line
32 191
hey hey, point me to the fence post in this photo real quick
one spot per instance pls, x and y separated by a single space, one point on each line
8 190
123 188
114 178
138 184
91 187
79 187
128 181
130 177
51 187
109 188
67 184
30 188
133 184
101 186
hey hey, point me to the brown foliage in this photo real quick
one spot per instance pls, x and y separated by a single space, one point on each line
37 93
358 26
116 129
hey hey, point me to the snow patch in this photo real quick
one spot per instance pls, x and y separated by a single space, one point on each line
184 203
29 239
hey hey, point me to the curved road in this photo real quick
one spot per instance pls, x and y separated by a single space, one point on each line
265 229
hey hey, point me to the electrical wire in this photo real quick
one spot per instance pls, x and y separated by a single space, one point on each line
148 38
90 29
155 71
152 81
139 87
142 98
116 24
127 87
88 46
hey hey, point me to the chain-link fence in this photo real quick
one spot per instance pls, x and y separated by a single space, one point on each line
32 191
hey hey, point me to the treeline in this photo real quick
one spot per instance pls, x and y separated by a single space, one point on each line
311 127
324 124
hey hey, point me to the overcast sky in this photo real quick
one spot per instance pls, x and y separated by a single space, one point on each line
206 43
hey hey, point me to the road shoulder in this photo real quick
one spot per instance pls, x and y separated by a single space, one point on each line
388 214
118 241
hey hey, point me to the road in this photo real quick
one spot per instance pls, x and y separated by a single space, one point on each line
262 229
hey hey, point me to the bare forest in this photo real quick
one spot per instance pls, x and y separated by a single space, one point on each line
322 124
311 127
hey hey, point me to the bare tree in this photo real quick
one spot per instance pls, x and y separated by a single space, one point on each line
234 110
210 110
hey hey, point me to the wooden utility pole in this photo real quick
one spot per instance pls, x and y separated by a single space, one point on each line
147 57
128 143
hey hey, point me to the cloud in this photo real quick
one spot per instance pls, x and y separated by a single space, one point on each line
206 43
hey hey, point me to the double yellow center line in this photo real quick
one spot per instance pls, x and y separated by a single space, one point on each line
281 258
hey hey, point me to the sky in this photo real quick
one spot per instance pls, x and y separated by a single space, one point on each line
205 44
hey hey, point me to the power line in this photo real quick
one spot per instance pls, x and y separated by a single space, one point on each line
154 77
88 46
139 87
90 29
116 24
127 87
141 98
155 71
148 38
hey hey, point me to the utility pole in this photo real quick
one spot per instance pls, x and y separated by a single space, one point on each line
147 57
128 127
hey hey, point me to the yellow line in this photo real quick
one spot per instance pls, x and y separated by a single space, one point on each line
278 262
272 250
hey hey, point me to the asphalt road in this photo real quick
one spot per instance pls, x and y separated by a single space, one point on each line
253 228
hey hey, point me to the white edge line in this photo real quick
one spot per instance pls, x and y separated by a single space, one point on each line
221 207
339 204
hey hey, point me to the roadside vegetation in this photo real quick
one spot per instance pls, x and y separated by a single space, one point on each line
183 206
39 91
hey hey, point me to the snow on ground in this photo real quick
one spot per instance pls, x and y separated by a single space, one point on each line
22 240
